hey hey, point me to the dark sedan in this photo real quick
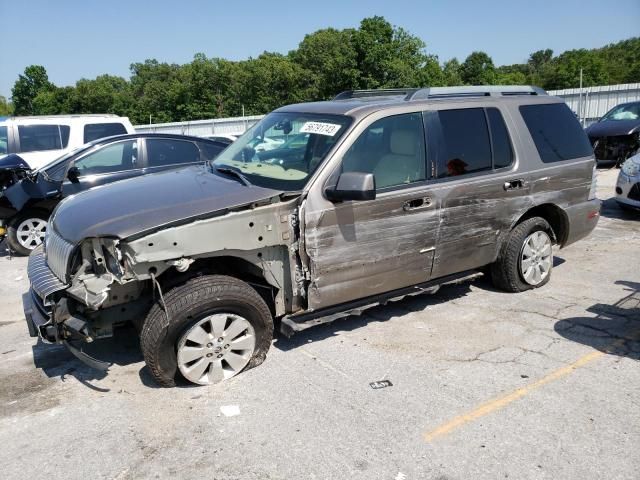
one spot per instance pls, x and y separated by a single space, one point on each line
616 136
27 197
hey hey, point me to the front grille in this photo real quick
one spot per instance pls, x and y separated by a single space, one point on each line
634 193
58 252
42 279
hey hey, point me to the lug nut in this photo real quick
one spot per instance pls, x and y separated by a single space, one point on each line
219 356
209 355
209 345
220 339
226 346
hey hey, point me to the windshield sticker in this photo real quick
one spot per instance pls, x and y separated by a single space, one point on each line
320 128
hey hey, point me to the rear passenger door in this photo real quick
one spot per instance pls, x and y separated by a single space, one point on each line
169 153
475 182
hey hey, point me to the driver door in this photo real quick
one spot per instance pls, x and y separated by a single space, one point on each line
112 162
358 249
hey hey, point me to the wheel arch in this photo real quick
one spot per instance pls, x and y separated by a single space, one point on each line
554 215
233 266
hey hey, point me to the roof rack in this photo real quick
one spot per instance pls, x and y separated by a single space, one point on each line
445 92
381 92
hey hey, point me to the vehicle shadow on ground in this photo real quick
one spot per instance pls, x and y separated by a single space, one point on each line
379 313
611 209
614 330
56 361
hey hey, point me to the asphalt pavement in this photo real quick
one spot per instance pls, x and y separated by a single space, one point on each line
484 385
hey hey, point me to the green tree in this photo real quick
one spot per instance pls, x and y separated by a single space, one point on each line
478 69
27 87
451 73
388 56
329 59
5 107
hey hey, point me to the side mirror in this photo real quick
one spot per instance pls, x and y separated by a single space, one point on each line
73 175
353 186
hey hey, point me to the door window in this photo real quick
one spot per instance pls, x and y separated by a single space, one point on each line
115 157
162 152
4 140
464 145
502 151
35 138
392 149
94 131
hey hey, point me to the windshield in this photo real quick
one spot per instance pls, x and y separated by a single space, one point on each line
284 149
630 111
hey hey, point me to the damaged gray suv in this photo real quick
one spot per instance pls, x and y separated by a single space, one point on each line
367 198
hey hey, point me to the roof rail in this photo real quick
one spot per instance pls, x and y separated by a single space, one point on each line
474 91
381 92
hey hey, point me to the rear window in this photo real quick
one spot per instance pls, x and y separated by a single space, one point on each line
95 131
35 138
162 152
556 132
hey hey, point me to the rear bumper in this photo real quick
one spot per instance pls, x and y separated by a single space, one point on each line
583 219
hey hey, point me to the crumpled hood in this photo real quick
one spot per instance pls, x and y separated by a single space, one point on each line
610 128
143 204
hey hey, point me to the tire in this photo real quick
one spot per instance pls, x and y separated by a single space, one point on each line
188 305
16 233
506 272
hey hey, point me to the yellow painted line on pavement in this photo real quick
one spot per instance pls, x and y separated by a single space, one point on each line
503 401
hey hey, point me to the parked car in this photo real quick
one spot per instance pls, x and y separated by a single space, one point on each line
616 136
27 197
628 184
395 193
223 138
39 140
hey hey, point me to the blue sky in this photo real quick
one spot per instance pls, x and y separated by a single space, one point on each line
75 39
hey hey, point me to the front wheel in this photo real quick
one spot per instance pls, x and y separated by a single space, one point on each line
214 327
526 260
26 231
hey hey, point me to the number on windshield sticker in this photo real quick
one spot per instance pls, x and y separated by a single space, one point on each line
320 128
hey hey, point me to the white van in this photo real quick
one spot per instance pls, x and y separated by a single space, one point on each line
39 140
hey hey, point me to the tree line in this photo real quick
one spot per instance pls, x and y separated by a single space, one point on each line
374 55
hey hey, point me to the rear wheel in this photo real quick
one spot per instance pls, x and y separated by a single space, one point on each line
526 260
215 327
27 230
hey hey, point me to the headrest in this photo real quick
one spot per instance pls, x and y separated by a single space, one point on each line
403 142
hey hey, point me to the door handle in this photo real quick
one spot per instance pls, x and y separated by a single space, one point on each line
417 204
514 184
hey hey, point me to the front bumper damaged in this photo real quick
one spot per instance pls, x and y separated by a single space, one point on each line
51 320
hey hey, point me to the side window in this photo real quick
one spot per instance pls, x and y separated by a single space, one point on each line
211 150
34 138
392 149
4 140
115 157
162 152
94 131
502 152
465 146
556 132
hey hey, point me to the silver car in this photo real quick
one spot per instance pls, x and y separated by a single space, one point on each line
628 184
